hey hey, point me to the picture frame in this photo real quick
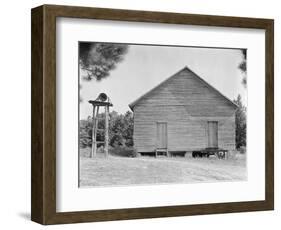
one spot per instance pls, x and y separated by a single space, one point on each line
43 159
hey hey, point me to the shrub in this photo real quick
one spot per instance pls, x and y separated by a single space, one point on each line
120 130
85 152
242 149
123 151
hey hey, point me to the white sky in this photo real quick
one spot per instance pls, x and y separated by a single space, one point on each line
146 66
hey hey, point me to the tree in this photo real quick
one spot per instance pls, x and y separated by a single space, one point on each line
120 130
128 128
240 121
98 59
116 126
85 131
243 66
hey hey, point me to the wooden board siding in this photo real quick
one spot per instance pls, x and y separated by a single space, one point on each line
184 132
186 104
187 89
226 133
181 130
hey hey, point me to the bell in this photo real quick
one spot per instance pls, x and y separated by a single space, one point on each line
102 97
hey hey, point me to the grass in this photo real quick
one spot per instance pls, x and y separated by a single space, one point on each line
121 171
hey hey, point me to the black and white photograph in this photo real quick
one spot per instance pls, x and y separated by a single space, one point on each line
161 114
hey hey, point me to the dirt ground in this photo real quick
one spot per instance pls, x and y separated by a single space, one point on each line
121 171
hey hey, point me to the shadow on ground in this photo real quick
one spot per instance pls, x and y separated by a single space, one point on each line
24 215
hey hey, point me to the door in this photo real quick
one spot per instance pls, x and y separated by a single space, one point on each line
212 134
161 135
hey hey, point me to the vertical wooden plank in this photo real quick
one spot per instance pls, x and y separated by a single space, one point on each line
209 135
166 134
160 136
157 134
106 129
158 143
212 134
49 114
216 133
37 201
164 125
269 120
93 131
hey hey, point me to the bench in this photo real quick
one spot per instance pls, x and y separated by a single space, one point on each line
161 150
220 153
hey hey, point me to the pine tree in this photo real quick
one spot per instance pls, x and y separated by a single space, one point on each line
241 126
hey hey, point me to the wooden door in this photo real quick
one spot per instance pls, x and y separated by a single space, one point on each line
161 135
212 134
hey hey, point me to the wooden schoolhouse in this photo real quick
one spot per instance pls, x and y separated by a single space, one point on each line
184 113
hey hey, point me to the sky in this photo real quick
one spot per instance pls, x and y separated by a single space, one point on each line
146 66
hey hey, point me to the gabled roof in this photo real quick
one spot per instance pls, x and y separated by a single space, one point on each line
132 105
